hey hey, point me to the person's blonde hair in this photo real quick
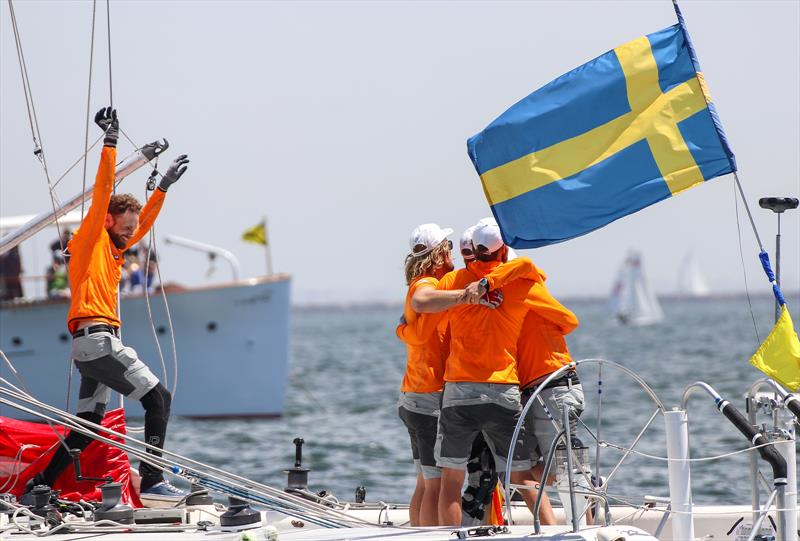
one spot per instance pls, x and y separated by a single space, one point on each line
422 265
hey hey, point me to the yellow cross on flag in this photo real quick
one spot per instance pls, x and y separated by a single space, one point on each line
624 131
779 355
256 234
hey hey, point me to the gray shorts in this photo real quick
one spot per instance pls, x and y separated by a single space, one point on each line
105 363
540 430
490 408
420 413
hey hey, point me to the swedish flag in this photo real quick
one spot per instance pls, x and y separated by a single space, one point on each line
628 129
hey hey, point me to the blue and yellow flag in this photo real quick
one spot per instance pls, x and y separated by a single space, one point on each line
628 129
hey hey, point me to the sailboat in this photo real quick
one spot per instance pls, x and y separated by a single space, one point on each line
632 300
691 282
298 513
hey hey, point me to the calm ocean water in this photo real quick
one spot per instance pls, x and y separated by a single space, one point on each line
346 368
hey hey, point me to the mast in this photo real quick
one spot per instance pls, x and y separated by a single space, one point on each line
131 163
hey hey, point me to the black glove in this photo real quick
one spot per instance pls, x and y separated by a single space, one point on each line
106 118
174 172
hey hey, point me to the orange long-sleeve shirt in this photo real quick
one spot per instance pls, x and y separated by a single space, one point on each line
427 344
483 341
95 263
541 348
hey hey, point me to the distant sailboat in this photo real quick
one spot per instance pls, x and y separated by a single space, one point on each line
691 282
632 301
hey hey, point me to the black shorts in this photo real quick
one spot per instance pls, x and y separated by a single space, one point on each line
422 432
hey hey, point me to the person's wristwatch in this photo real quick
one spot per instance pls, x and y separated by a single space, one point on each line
484 283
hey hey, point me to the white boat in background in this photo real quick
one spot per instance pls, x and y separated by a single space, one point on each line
691 282
231 351
632 300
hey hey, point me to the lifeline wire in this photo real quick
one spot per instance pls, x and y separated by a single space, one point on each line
17 375
702 459
222 480
247 493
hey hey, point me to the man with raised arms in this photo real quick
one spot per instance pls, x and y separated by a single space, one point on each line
111 226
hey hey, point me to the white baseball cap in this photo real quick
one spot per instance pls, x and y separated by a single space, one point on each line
467 251
426 237
487 234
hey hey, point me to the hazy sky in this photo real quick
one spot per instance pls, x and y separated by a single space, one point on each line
346 124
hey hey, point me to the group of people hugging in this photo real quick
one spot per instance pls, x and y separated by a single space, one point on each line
479 340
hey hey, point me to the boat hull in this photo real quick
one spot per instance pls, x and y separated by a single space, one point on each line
232 343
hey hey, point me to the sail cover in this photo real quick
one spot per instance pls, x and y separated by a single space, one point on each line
26 448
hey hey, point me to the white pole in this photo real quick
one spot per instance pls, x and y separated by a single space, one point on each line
267 248
209 249
787 520
680 482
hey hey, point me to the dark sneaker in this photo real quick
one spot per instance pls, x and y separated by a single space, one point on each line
162 494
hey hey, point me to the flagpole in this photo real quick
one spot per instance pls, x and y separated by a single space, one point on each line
267 248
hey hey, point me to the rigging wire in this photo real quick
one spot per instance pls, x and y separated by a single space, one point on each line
85 153
747 208
88 107
151 246
76 162
33 120
108 26
23 75
741 257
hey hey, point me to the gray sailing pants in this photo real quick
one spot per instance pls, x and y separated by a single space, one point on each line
105 363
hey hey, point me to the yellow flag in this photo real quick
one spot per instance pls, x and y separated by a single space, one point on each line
256 234
779 355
